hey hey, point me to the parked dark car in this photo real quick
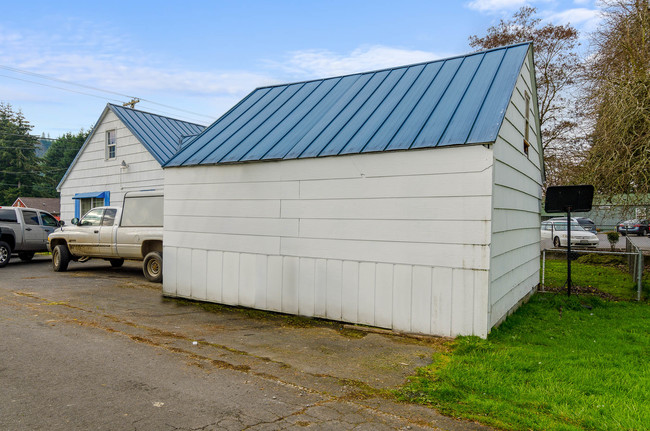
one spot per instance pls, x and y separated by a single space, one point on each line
634 226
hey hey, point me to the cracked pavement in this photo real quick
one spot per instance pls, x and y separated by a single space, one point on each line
100 348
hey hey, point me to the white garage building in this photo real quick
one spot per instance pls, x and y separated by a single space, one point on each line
406 198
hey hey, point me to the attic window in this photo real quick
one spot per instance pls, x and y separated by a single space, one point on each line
110 144
527 126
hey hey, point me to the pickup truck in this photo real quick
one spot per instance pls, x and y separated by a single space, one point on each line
133 232
24 231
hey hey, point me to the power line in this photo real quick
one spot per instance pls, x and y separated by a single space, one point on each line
90 87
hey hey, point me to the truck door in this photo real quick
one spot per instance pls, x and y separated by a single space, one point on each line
85 240
48 226
33 239
107 233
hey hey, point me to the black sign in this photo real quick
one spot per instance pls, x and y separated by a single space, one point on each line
561 199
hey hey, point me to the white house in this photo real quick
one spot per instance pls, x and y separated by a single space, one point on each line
406 198
124 151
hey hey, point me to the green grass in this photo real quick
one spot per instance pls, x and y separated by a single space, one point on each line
557 363
613 279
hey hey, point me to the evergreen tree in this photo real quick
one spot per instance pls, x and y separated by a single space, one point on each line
19 166
59 156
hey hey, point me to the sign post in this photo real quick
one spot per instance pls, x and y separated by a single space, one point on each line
565 199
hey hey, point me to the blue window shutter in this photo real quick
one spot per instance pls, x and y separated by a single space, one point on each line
77 207
107 198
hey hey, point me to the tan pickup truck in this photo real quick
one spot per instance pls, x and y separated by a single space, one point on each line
133 232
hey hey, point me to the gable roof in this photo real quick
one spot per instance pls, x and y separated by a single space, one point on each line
51 205
453 101
160 135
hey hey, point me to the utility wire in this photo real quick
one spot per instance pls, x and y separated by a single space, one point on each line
38 75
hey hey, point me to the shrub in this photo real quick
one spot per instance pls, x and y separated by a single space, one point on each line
612 237
602 259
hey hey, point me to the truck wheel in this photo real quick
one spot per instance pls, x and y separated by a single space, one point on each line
60 258
116 263
5 254
152 267
26 256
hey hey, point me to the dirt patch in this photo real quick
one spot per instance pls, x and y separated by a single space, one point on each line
584 290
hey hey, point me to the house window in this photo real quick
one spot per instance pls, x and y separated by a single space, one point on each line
110 144
87 204
527 126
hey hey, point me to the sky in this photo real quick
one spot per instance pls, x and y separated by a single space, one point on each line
62 62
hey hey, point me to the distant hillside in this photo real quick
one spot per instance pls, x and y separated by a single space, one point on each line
43 145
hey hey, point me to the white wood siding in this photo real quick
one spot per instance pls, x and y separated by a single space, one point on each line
515 251
397 240
93 173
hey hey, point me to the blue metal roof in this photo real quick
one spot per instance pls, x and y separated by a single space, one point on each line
162 136
459 100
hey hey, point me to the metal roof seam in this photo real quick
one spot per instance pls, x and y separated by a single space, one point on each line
415 105
487 92
304 116
469 83
334 118
424 124
239 128
148 134
263 120
406 69
283 118
355 113
393 110
208 129
128 119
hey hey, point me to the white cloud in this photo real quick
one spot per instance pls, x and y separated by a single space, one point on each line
108 62
495 5
586 19
324 63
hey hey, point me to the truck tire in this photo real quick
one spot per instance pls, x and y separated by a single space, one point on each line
5 254
60 258
26 256
152 267
116 263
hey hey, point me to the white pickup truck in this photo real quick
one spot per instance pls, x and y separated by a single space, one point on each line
133 232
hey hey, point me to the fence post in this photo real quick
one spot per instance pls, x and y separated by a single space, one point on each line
543 268
639 275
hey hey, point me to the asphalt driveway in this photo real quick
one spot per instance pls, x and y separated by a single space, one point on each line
100 348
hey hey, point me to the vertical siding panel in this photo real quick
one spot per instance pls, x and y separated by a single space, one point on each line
306 287
481 285
199 262
290 277
215 276
462 317
274 286
230 278
402 285
320 288
261 271
170 263
421 300
367 293
441 301
184 284
247 281
384 295
350 291
334 274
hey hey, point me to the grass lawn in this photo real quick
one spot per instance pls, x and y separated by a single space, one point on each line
557 363
610 279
